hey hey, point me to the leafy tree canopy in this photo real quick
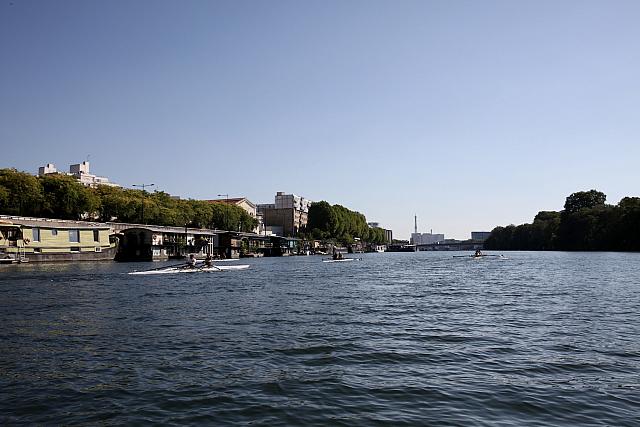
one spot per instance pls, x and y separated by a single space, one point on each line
584 200
586 224
337 222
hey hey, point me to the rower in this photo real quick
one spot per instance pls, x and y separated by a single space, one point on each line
478 253
208 261
192 261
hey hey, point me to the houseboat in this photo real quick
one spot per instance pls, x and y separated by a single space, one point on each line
25 239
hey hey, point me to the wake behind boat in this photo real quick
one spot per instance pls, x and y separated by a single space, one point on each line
187 269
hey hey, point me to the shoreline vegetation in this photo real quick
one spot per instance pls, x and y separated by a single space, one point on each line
61 196
586 223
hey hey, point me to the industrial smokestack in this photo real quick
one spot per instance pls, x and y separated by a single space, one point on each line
415 218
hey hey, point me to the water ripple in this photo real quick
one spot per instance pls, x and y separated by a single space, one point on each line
537 339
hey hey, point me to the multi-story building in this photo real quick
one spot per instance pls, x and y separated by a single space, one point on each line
288 215
291 201
80 172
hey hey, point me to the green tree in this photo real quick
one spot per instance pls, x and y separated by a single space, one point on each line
66 198
584 200
118 204
627 232
4 198
581 223
24 193
322 220
339 223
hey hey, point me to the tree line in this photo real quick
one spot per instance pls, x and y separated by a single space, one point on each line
63 197
335 222
586 223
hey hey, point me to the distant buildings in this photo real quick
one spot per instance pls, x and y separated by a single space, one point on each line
426 238
79 171
480 235
287 215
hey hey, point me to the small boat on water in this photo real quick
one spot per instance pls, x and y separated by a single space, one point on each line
183 269
342 260
478 256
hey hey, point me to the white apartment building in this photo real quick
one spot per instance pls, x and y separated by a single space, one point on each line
81 172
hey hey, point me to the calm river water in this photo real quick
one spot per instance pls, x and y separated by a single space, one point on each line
395 339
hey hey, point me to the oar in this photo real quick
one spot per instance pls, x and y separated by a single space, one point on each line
164 266
214 266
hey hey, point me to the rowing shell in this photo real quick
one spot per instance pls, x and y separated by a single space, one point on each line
341 260
477 256
194 270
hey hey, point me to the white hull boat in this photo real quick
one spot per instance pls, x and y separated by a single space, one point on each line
176 270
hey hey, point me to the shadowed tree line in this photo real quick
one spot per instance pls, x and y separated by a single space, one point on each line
585 224
336 222
62 197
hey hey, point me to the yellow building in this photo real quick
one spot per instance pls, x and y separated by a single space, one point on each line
25 239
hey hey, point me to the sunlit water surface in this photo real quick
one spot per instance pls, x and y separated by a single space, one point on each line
394 339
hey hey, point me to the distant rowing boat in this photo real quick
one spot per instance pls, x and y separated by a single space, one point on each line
342 260
477 256
176 270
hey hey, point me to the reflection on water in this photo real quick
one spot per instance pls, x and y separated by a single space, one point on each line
417 338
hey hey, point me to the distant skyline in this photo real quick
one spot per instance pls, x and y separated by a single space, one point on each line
467 114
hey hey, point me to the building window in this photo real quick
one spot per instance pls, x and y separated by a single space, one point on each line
96 235
75 249
74 236
36 234
54 232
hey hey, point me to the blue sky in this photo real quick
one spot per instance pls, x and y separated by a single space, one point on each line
469 114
